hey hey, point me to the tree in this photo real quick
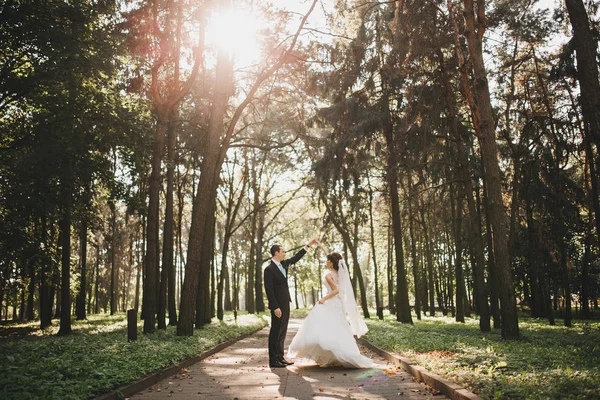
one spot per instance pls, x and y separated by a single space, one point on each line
478 99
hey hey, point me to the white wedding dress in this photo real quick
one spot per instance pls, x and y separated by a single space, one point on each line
326 336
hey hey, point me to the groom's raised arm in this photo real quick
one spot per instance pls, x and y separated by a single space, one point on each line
299 255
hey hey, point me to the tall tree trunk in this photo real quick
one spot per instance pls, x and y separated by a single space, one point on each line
251 274
429 255
113 258
97 280
587 72
140 265
258 272
402 305
592 186
483 121
205 204
45 302
457 211
167 276
80 306
413 246
151 259
494 308
378 302
203 211
467 189
29 314
390 268
534 258
65 291
587 257
222 277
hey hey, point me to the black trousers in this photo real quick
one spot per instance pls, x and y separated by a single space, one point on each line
278 332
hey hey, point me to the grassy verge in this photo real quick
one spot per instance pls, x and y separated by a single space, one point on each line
549 362
97 357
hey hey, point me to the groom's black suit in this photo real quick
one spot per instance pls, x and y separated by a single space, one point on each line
278 294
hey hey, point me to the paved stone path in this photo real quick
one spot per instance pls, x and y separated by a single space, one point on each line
241 371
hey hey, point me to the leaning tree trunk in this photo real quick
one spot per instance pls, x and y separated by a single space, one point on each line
467 189
483 121
197 271
205 202
587 72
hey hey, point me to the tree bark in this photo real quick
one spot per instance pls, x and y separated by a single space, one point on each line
390 266
587 70
149 299
402 305
378 302
483 121
429 256
65 290
80 307
413 246
205 203
45 301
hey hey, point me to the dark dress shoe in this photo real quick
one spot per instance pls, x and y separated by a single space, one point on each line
276 364
286 362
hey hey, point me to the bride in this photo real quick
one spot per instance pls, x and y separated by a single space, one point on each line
326 336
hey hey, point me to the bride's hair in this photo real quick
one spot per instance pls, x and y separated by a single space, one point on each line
335 260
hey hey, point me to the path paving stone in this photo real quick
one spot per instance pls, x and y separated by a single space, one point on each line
241 371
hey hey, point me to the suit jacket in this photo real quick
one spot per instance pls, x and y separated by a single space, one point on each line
276 284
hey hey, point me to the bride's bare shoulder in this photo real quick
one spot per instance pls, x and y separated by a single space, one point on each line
332 276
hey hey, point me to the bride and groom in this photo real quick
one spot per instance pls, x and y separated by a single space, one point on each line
327 334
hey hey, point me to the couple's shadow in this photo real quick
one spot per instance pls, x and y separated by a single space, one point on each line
306 381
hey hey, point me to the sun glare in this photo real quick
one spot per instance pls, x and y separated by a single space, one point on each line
235 30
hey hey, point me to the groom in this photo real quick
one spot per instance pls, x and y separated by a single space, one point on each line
278 294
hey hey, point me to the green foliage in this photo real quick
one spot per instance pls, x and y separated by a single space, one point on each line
98 358
549 362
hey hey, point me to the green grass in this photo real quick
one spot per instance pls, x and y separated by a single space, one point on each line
548 362
97 357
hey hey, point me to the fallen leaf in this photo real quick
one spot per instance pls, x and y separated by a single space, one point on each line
321 389
390 372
